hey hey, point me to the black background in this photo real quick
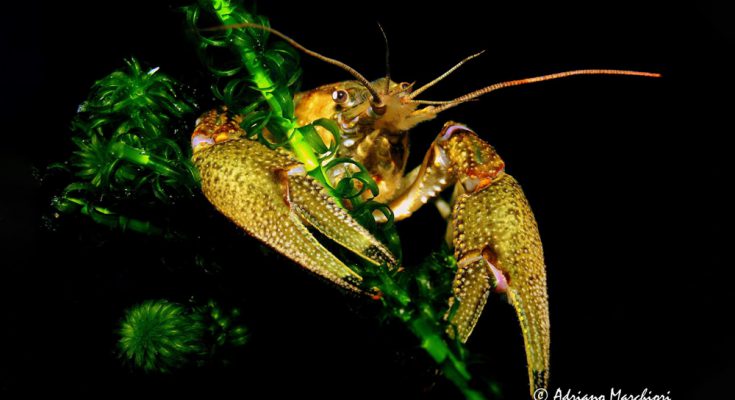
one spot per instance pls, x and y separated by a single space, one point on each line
626 177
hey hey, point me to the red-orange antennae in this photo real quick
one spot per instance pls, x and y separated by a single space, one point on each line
488 89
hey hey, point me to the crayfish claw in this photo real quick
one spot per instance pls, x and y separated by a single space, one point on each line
498 246
246 181
311 201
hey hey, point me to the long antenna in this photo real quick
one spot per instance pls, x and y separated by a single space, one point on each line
377 102
442 76
387 59
488 89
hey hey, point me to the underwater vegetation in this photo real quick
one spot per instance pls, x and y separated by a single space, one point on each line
161 336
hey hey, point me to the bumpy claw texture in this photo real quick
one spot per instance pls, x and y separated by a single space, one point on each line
496 238
261 191
313 204
471 287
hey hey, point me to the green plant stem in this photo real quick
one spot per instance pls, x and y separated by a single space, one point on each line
227 13
425 327
139 157
105 216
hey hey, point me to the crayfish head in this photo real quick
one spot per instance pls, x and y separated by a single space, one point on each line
398 112
355 107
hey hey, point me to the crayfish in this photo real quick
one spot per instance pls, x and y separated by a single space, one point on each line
268 193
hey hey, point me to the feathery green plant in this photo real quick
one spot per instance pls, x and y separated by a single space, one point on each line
161 336
266 75
124 134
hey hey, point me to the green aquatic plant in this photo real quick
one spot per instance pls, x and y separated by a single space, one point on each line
125 132
417 297
266 75
161 336
127 149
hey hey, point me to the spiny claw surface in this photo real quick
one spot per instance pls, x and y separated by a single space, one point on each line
497 244
312 203
263 192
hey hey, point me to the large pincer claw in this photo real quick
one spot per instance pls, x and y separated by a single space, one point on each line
494 235
268 194
497 246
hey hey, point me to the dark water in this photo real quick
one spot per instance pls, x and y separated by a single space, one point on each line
626 177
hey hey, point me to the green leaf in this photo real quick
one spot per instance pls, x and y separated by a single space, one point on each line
313 139
332 128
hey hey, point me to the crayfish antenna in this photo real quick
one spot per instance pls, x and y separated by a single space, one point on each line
387 60
518 82
442 76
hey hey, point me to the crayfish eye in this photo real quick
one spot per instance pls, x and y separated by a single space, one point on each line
405 85
340 96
